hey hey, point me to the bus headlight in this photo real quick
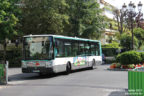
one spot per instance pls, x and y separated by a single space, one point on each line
48 64
24 65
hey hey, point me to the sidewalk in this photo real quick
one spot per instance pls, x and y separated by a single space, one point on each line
14 71
16 75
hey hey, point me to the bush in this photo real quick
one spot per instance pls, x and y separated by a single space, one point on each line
142 56
118 58
129 57
118 65
115 65
131 66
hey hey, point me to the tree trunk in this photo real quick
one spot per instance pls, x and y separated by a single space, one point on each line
4 56
118 22
121 25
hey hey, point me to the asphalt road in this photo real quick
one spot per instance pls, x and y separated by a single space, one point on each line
98 82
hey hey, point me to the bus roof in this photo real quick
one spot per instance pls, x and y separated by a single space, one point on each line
62 37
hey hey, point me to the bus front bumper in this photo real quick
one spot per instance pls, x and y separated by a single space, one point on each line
37 70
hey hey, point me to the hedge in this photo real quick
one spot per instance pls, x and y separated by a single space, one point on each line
14 57
110 51
130 57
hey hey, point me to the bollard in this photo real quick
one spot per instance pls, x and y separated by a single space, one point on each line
1 74
4 73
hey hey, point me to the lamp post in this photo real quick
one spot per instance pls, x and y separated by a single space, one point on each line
132 15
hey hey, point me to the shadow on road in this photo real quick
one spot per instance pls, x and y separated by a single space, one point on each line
35 76
119 93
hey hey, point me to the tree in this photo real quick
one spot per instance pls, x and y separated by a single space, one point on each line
126 41
121 21
8 22
44 16
139 34
85 19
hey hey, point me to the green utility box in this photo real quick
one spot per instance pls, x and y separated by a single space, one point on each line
136 82
3 74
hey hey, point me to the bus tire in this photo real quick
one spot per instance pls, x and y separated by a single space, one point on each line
68 68
41 74
93 65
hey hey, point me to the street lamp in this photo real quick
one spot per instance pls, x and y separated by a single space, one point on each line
132 15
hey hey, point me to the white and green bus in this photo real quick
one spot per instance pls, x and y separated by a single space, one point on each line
55 53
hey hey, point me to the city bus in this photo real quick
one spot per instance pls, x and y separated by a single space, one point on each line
55 53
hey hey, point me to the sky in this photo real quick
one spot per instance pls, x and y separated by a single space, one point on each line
119 3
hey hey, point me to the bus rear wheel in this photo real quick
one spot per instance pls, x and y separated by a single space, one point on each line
93 64
68 68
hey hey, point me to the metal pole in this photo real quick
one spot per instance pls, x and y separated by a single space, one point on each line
132 46
132 37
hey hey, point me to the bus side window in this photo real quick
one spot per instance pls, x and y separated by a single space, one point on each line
97 49
81 49
93 49
74 48
59 48
67 47
87 49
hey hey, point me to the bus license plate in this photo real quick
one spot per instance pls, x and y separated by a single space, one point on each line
36 70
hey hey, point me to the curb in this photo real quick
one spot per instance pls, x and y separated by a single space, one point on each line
1 87
117 69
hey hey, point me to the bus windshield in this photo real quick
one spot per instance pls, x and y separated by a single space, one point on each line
38 48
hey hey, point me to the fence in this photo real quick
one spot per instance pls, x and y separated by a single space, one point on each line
136 82
13 56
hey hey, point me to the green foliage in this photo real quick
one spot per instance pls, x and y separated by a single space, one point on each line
44 16
64 17
109 21
111 45
131 66
14 56
118 58
129 57
8 19
126 41
109 61
142 56
110 51
139 34
118 65
8 22
85 19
